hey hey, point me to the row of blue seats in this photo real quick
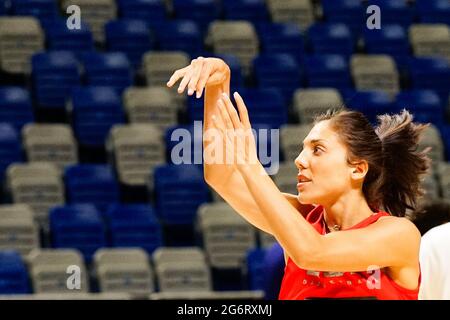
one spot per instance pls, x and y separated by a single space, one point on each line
135 37
98 184
352 12
15 277
84 227
96 109
266 105
178 189
55 73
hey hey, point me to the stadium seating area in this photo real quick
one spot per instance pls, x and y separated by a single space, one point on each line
87 123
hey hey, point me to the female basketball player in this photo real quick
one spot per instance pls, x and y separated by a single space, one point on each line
344 235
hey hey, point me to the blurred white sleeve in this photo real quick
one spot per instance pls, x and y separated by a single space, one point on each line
435 264
429 266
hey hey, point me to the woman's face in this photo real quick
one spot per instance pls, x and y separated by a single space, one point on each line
323 162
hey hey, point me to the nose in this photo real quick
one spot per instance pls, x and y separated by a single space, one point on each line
300 161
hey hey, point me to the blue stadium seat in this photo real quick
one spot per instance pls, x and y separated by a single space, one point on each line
5 7
430 73
371 103
195 108
424 104
255 268
281 38
94 111
184 136
274 264
395 12
265 106
280 71
391 39
91 183
350 12
78 226
134 225
41 9
180 35
254 11
133 37
179 191
59 37
201 11
331 38
327 70
54 75
433 11
147 10
108 69
13 273
15 106
10 147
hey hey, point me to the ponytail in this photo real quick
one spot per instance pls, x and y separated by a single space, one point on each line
403 163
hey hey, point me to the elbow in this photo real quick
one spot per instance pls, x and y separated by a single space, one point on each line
209 177
309 257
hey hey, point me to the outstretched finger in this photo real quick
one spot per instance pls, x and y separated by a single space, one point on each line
198 65
231 111
176 76
224 114
243 112
185 81
203 79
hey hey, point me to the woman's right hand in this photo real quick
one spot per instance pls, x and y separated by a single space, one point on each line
202 72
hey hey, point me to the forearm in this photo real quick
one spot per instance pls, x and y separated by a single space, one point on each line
293 232
214 170
212 94
235 192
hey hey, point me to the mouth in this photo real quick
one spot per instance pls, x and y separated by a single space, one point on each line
302 184
302 180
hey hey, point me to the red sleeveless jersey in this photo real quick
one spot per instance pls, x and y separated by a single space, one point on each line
300 284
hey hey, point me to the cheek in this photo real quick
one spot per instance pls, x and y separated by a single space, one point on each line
331 173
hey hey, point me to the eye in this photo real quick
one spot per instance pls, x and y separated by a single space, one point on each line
316 149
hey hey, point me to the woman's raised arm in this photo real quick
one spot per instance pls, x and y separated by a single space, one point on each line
212 75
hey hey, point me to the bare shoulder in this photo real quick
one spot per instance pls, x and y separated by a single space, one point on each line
403 225
402 233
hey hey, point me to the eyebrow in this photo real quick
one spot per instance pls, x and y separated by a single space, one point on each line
313 141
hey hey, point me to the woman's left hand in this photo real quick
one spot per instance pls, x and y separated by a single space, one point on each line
237 133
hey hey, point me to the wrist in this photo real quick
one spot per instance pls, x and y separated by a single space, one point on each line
252 169
221 81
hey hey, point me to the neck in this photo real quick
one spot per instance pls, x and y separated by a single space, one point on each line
347 211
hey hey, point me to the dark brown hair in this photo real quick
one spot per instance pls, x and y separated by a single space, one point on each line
430 214
393 180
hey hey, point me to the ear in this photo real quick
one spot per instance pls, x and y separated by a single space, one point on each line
359 170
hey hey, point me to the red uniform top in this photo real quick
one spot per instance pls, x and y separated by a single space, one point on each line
300 284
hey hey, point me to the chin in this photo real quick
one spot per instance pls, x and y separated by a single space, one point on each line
304 199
